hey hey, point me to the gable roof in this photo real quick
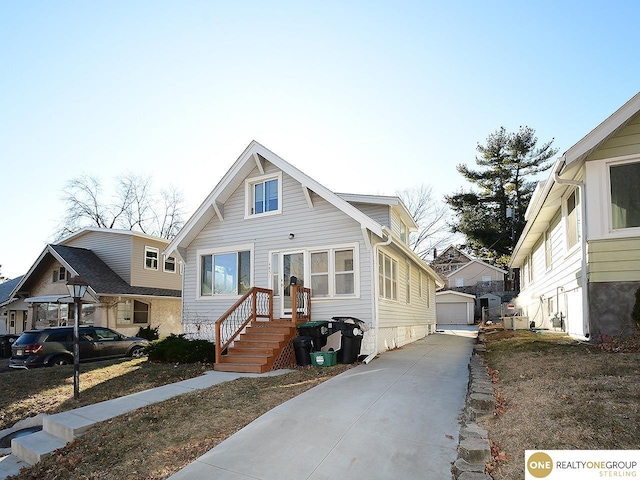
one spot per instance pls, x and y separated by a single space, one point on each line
480 262
101 279
443 256
252 157
544 206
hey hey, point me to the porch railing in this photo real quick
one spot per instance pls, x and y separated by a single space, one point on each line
256 303
300 304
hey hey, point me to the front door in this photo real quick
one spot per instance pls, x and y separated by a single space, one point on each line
292 267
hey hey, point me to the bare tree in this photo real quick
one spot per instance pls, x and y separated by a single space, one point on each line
132 206
431 216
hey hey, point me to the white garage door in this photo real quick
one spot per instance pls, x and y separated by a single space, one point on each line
451 313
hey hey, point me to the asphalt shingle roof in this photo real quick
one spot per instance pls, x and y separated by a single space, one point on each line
7 287
101 278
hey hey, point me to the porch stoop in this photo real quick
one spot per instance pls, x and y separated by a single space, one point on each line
258 348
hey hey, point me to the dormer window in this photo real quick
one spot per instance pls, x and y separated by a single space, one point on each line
264 195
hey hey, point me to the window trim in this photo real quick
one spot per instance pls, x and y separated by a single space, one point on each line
156 250
407 287
616 232
394 277
332 249
164 264
249 184
132 313
565 216
221 251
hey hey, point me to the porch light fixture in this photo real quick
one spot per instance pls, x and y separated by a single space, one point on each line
77 287
291 235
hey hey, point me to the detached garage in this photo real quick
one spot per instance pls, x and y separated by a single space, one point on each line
454 308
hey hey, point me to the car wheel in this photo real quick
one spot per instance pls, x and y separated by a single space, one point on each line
136 352
59 361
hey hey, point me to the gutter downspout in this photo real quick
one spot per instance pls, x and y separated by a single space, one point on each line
586 324
376 292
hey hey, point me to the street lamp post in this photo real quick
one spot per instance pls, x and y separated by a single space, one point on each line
77 288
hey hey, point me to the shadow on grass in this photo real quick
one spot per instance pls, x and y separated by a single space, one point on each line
50 390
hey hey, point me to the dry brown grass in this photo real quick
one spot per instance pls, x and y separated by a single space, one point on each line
26 393
157 441
560 394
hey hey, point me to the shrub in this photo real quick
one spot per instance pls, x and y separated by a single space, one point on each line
635 313
148 333
178 349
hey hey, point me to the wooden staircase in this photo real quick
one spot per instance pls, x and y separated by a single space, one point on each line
256 350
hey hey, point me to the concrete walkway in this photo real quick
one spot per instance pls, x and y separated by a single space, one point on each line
397 417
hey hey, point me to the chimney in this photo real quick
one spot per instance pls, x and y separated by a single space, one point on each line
435 253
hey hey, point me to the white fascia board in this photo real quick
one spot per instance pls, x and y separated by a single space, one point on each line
255 150
116 231
319 189
605 129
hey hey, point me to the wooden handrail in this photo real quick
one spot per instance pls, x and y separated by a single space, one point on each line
236 318
300 304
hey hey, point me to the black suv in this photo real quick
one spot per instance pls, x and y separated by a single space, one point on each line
51 346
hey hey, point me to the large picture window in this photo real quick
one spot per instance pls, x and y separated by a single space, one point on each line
387 276
225 273
264 195
625 195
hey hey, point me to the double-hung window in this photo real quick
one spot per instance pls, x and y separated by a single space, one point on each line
225 273
573 218
151 255
263 195
333 273
170 264
387 276
625 195
130 312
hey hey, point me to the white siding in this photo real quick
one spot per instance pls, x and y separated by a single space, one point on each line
380 213
554 288
401 322
320 226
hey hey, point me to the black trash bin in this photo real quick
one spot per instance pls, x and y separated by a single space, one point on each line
317 330
302 347
5 345
352 334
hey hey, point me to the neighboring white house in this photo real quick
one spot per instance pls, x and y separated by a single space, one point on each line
266 222
454 308
579 253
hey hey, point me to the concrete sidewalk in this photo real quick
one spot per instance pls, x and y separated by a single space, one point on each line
394 418
61 428
397 417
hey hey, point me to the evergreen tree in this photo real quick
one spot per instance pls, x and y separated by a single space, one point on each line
491 216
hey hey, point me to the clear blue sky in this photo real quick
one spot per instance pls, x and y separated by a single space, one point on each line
363 96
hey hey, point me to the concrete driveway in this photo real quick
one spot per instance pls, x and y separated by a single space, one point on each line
397 417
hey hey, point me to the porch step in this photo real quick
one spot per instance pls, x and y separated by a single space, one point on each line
255 335
233 357
241 368
256 350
